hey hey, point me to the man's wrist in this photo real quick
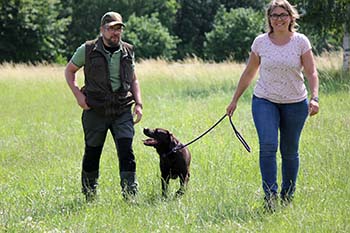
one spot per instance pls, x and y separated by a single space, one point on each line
139 104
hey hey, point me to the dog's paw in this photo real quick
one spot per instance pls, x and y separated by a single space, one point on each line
180 193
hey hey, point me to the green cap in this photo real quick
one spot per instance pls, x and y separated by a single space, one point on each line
112 18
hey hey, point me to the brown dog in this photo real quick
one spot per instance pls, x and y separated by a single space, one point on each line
172 164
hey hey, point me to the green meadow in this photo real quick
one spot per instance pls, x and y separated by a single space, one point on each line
41 147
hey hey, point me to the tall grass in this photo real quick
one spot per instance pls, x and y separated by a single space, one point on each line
41 146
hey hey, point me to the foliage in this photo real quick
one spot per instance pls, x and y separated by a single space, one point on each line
150 38
35 31
233 34
255 4
31 30
195 18
87 15
166 11
323 21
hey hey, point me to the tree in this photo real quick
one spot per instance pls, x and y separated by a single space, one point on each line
31 30
87 14
233 34
346 38
324 21
254 4
195 18
150 38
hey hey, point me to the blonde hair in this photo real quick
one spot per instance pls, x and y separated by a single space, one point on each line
292 11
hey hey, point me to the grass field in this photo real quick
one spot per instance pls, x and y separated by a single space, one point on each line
41 147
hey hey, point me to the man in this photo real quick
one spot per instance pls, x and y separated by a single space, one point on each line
111 87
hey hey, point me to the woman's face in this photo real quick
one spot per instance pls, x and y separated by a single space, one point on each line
280 19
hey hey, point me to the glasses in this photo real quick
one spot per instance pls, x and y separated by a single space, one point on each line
114 28
282 16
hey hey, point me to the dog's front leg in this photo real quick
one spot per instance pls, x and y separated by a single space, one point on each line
165 184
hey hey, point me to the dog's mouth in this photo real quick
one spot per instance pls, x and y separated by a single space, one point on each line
150 142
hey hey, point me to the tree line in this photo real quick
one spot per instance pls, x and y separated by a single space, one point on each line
34 31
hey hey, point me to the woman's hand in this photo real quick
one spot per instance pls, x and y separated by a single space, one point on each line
231 108
313 107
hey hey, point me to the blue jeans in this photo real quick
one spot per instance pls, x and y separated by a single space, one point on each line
289 119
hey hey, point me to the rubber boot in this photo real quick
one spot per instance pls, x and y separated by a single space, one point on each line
129 184
89 184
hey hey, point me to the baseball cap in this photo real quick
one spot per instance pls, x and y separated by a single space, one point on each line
112 18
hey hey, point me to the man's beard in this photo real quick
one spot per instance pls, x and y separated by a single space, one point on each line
111 43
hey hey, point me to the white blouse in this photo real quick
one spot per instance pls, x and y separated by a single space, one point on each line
280 75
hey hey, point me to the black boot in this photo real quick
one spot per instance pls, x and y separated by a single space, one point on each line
270 203
129 184
89 184
287 195
286 199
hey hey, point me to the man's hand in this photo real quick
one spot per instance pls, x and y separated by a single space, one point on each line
138 113
81 99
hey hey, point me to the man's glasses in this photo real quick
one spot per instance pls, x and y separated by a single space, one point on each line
282 16
115 28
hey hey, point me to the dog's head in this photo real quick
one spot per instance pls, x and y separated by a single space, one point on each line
159 138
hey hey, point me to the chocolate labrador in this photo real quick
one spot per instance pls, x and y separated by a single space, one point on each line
173 164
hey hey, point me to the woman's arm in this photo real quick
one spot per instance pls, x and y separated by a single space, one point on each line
310 71
245 80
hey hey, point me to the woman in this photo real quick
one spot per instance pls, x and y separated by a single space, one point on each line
280 96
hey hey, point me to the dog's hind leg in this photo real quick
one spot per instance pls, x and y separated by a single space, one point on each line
183 185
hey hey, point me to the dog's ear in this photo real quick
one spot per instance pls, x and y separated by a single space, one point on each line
172 140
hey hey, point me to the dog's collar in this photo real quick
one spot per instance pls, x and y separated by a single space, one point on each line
174 150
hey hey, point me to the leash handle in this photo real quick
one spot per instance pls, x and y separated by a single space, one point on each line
239 136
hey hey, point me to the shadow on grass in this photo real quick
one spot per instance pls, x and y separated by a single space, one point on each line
218 213
155 199
67 206
240 215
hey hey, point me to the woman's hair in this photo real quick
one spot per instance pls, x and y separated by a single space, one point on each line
292 11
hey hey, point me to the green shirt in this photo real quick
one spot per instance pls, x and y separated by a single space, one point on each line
78 59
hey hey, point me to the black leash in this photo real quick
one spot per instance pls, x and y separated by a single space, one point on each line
239 136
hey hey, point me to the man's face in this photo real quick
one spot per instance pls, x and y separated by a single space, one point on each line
112 34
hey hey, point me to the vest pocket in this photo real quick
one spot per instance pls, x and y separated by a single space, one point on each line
96 100
98 68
